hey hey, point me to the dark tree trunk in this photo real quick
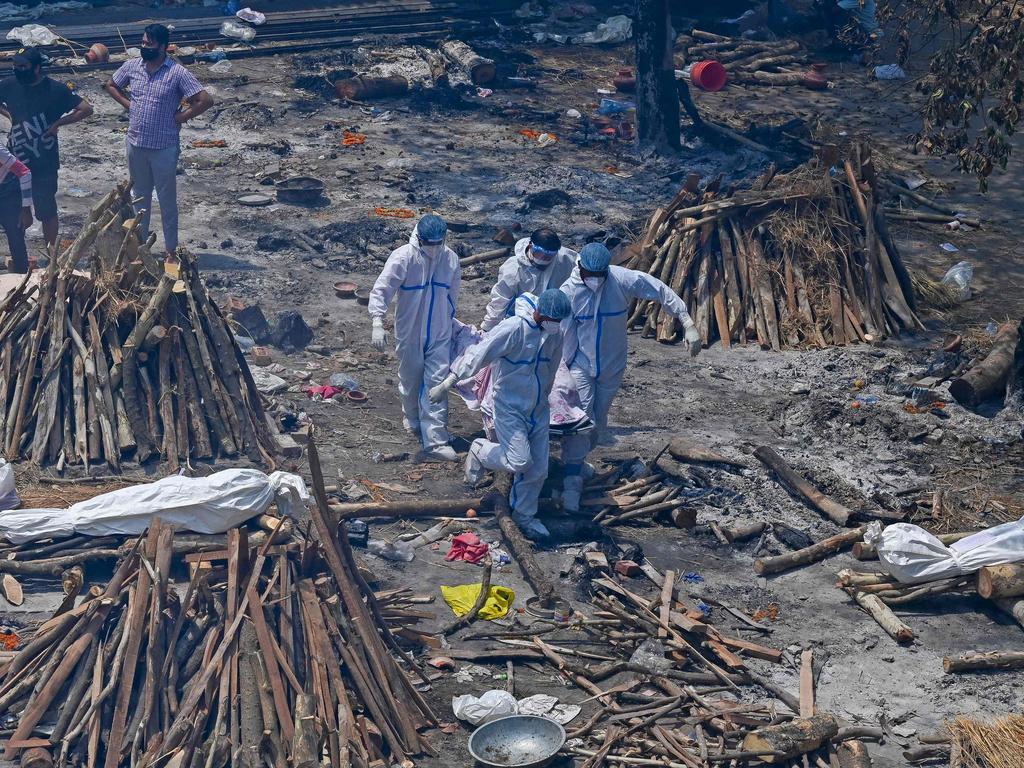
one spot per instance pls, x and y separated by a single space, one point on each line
657 101
1015 382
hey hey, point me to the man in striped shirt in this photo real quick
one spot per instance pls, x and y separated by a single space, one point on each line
15 207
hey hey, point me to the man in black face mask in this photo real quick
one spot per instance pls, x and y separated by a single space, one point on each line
38 107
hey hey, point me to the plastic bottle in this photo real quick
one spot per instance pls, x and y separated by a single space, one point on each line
399 551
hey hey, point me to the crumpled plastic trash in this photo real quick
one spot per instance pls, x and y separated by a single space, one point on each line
498 703
650 655
960 275
462 598
547 706
253 17
890 72
467 546
617 29
33 34
221 67
398 551
237 31
8 495
492 705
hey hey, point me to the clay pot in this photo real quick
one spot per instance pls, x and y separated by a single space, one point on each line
97 54
815 80
625 81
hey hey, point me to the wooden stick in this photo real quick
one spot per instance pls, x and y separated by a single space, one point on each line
806 683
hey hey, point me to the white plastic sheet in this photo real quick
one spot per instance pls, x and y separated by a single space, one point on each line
911 555
210 504
8 495
33 35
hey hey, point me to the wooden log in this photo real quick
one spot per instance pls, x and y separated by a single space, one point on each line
485 256
36 757
798 486
811 554
853 754
743 532
788 740
169 448
1013 607
306 750
979 661
996 581
416 508
988 378
154 309
680 450
806 683
886 619
519 547
480 70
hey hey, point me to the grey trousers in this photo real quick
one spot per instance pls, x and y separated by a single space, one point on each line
156 169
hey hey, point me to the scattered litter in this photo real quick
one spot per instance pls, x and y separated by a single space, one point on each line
268 383
441 662
650 655
343 381
395 213
614 107
237 31
991 329
703 607
693 577
350 139
889 72
9 639
573 113
211 504
771 613
398 551
543 139
467 547
255 200
960 275
949 248
222 66
253 17
33 35
323 392
483 93
617 29
462 598
490 706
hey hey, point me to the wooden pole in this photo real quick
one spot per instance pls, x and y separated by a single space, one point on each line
418 508
886 619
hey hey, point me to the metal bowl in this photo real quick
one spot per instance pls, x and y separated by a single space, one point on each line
300 189
517 741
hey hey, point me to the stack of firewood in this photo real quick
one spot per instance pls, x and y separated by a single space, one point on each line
118 362
810 263
754 62
277 653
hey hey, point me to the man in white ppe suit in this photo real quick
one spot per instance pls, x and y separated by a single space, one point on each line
538 262
426 277
595 346
526 351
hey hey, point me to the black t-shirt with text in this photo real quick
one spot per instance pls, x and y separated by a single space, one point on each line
34 108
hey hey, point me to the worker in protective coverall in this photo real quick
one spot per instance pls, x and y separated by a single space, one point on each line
426 276
526 351
595 347
538 262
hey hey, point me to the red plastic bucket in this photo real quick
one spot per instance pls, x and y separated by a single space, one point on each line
708 75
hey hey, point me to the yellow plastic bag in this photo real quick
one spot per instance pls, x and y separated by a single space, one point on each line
463 597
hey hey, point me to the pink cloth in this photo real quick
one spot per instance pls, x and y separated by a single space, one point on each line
468 547
326 391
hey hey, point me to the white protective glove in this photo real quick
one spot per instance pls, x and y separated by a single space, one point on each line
380 336
693 339
440 392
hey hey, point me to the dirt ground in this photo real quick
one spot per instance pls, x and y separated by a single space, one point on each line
464 158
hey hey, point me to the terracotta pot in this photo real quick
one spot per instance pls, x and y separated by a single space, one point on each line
815 80
625 81
97 54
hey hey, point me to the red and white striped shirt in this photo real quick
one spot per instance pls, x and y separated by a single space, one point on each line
10 164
